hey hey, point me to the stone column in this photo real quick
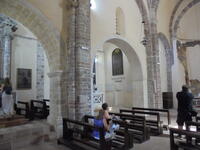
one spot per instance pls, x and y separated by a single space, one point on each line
83 60
55 116
6 54
71 97
40 72
1 55
153 59
79 63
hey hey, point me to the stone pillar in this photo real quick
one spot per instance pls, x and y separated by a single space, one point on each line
79 63
153 61
7 27
71 97
83 60
1 56
55 116
6 56
40 72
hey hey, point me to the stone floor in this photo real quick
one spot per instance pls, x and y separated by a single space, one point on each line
45 146
156 143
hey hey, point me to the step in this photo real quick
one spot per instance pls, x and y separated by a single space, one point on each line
13 122
31 133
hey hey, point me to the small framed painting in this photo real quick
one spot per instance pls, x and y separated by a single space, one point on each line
24 78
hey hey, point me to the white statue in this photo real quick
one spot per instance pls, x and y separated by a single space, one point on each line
7 99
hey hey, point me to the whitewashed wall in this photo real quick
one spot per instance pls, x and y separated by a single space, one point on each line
24 52
103 28
189 29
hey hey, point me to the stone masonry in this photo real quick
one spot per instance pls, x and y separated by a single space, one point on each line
40 72
152 51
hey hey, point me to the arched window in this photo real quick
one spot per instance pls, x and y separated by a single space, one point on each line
117 62
120 21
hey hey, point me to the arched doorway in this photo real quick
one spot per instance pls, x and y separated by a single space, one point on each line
50 39
127 88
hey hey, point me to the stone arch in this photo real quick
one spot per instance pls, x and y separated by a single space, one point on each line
36 22
135 63
180 16
169 59
173 16
23 12
144 15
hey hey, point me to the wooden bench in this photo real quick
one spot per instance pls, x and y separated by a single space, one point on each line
122 137
156 110
47 101
38 109
76 136
187 144
22 108
155 124
190 124
140 131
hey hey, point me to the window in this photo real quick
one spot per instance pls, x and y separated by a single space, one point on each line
117 62
120 22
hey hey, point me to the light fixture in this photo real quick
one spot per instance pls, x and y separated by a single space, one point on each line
93 4
96 59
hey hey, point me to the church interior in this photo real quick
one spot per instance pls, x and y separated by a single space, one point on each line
66 58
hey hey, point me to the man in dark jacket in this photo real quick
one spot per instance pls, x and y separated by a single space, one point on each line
184 106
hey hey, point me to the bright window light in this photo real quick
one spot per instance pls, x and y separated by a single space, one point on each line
93 4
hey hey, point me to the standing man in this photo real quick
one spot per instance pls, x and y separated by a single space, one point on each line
184 106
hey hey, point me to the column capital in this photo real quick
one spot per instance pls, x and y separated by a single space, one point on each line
72 4
7 26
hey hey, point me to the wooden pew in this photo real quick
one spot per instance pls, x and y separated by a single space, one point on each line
140 131
190 124
123 137
186 145
75 138
22 108
155 125
38 109
197 118
47 101
156 110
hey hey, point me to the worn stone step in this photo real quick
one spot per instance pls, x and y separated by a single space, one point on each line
3 118
26 135
13 122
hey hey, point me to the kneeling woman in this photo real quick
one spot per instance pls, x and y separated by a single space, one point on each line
101 121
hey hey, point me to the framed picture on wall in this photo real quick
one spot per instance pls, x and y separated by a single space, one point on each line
24 78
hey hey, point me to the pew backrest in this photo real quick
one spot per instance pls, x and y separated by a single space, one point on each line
188 144
155 110
69 131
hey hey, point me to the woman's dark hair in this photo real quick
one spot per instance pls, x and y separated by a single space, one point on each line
104 106
7 82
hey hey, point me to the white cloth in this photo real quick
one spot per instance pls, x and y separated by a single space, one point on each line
7 104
